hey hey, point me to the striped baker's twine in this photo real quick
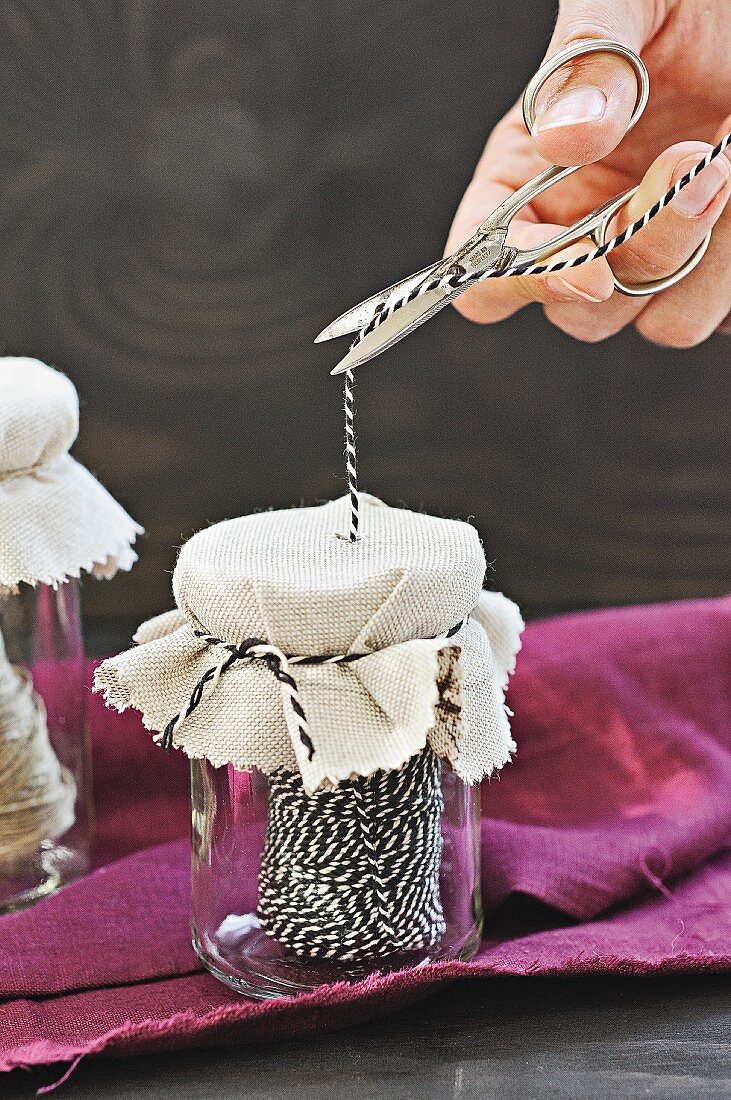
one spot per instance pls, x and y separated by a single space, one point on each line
367 839
276 661
352 873
351 461
253 648
466 279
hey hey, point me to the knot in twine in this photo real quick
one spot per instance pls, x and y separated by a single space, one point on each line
276 661
254 649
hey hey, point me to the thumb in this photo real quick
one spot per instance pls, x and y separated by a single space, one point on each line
583 110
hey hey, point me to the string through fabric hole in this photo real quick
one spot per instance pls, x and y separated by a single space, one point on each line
351 458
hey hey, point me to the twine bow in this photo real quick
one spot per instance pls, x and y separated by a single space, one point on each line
276 661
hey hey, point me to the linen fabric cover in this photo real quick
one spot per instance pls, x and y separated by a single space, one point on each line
55 518
287 578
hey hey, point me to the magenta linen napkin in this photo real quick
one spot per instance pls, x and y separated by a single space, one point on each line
614 814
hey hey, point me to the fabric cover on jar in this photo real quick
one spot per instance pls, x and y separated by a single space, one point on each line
394 597
56 520
406 662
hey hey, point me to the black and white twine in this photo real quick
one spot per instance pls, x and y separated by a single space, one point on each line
254 649
276 661
351 458
464 279
352 873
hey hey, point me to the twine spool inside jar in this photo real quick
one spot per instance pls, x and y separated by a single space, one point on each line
37 794
353 873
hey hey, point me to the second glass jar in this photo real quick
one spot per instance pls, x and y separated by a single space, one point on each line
45 794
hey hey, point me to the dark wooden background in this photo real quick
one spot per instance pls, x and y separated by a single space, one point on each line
189 191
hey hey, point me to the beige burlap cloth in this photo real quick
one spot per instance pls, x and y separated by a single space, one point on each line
286 577
55 518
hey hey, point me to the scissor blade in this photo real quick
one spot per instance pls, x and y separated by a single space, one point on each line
395 327
477 254
356 318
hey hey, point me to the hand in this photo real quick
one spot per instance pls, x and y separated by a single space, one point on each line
581 115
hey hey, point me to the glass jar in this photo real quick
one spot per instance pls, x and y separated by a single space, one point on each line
290 890
45 791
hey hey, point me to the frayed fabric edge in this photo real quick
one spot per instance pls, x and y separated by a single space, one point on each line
152 1034
103 564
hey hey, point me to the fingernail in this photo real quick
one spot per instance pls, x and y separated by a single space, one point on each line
571 108
568 293
697 196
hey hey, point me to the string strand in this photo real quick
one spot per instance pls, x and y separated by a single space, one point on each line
466 279
253 648
351 458
277 662
37 794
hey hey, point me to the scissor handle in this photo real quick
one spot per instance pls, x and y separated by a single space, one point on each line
601 219
582 49
502 216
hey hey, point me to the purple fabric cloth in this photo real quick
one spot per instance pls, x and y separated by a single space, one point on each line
614 815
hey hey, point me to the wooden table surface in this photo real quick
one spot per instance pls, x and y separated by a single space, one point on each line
593 1038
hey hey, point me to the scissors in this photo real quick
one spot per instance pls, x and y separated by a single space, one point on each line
388 316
